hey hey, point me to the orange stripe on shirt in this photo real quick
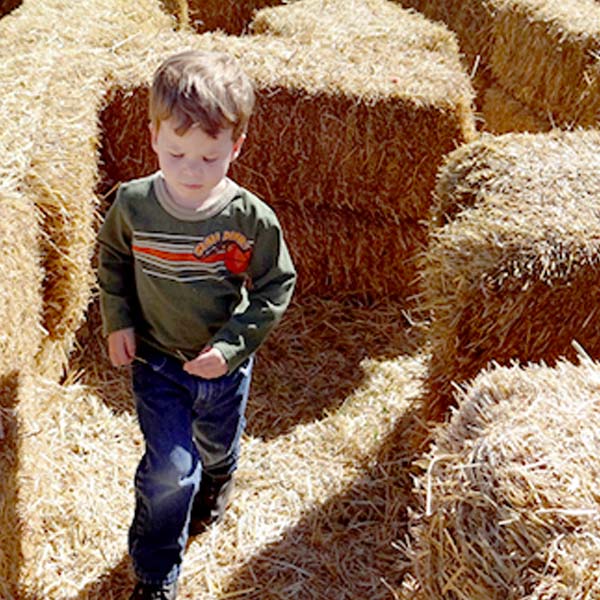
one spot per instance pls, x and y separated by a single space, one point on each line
171 256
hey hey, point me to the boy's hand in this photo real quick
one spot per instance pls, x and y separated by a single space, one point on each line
209 364
121 347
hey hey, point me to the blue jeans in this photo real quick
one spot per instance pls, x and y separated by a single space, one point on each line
190 425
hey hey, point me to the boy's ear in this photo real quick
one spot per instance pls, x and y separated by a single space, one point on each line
237 147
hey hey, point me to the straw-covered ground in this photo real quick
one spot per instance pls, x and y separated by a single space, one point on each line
361 102
322 491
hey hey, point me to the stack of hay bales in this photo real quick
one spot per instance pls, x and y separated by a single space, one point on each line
52 85
508 507
355 135
513 273
55 77
536 61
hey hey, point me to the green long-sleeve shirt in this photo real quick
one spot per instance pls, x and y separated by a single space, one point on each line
184 280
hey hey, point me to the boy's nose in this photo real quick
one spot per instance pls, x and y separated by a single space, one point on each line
193 167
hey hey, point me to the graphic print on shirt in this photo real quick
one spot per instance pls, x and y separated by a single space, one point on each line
187 258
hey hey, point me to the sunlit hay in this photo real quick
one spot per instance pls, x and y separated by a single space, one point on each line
230 16
513 272
339 23
111 25
473 22
340 126
51 152
410 106
546 54
21 273
504 114
20 282
75 488
508 498
64 194
301 469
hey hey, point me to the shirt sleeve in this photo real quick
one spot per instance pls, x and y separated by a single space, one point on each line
115 271
273 278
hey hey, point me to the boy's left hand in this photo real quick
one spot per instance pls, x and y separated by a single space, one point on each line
209 364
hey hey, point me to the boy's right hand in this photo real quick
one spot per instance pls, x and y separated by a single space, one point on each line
121 347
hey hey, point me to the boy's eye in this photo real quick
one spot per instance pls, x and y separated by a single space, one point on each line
175 155
208 159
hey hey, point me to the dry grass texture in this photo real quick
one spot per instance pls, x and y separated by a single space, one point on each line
547 55
504 114
544 53
509 498
322 474
512 273
472 20
50 139
359 102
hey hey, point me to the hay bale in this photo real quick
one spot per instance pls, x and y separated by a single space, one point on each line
56 24
55 61
20 282
333 115
508 501
336 256
504 114
387 28
472 20
21 260
513 272
347 134
64 192
546 54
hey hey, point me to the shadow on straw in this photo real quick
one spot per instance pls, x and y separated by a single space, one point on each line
306 369
115 584
314 361
346 548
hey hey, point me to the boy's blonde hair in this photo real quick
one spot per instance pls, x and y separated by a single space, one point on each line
207 89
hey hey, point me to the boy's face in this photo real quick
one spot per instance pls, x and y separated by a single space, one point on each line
194 164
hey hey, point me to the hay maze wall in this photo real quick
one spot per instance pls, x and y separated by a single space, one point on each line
71 447
359 104
535 64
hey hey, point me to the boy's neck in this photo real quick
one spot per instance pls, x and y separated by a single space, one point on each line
219 197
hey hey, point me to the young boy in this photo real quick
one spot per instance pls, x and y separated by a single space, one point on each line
194 272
